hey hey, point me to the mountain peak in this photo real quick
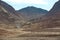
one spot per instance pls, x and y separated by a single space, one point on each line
30 7
31 12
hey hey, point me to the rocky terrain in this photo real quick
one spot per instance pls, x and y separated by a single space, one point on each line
49 20
52 19
31 12
8 16
15 26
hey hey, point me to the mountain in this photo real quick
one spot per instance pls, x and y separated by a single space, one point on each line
32 12
49 20
8 15
52 19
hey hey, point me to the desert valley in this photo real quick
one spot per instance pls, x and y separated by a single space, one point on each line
29 23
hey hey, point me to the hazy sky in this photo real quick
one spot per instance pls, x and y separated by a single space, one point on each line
19 4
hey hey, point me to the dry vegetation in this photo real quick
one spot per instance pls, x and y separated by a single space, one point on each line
19 34
12 28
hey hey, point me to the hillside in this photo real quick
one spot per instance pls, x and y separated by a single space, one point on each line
29 23
32 12
49 20
8 16
52 19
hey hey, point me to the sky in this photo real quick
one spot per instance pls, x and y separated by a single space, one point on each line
19 4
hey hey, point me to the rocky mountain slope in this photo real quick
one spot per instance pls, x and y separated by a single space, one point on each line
32 12
52 19
39 30
8 15
49 20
